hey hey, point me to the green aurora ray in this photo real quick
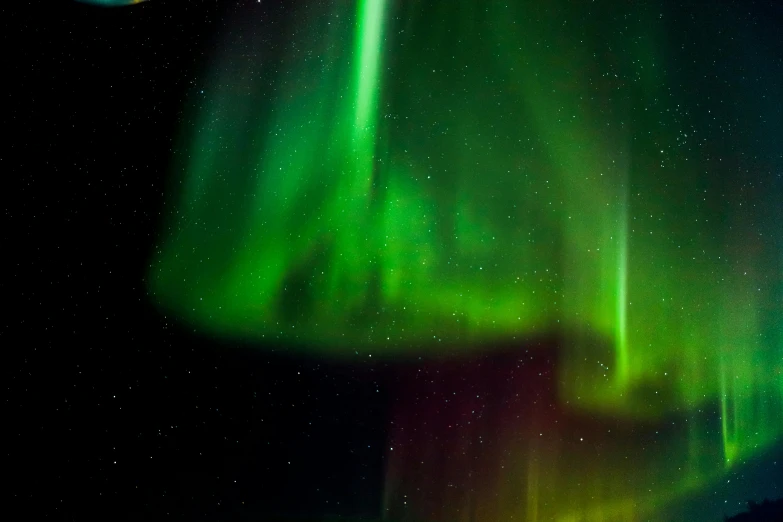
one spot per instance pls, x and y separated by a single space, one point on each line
416 179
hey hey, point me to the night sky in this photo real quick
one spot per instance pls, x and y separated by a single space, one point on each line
381 260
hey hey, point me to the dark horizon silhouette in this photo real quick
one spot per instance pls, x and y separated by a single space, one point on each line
765 511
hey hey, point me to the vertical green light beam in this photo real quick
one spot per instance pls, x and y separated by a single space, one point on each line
368 41
367 52
728 447
621 336
351 246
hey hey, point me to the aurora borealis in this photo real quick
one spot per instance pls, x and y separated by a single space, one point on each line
431 180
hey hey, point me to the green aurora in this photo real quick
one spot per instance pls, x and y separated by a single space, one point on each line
414 180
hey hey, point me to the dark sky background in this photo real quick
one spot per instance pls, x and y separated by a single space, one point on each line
112 409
